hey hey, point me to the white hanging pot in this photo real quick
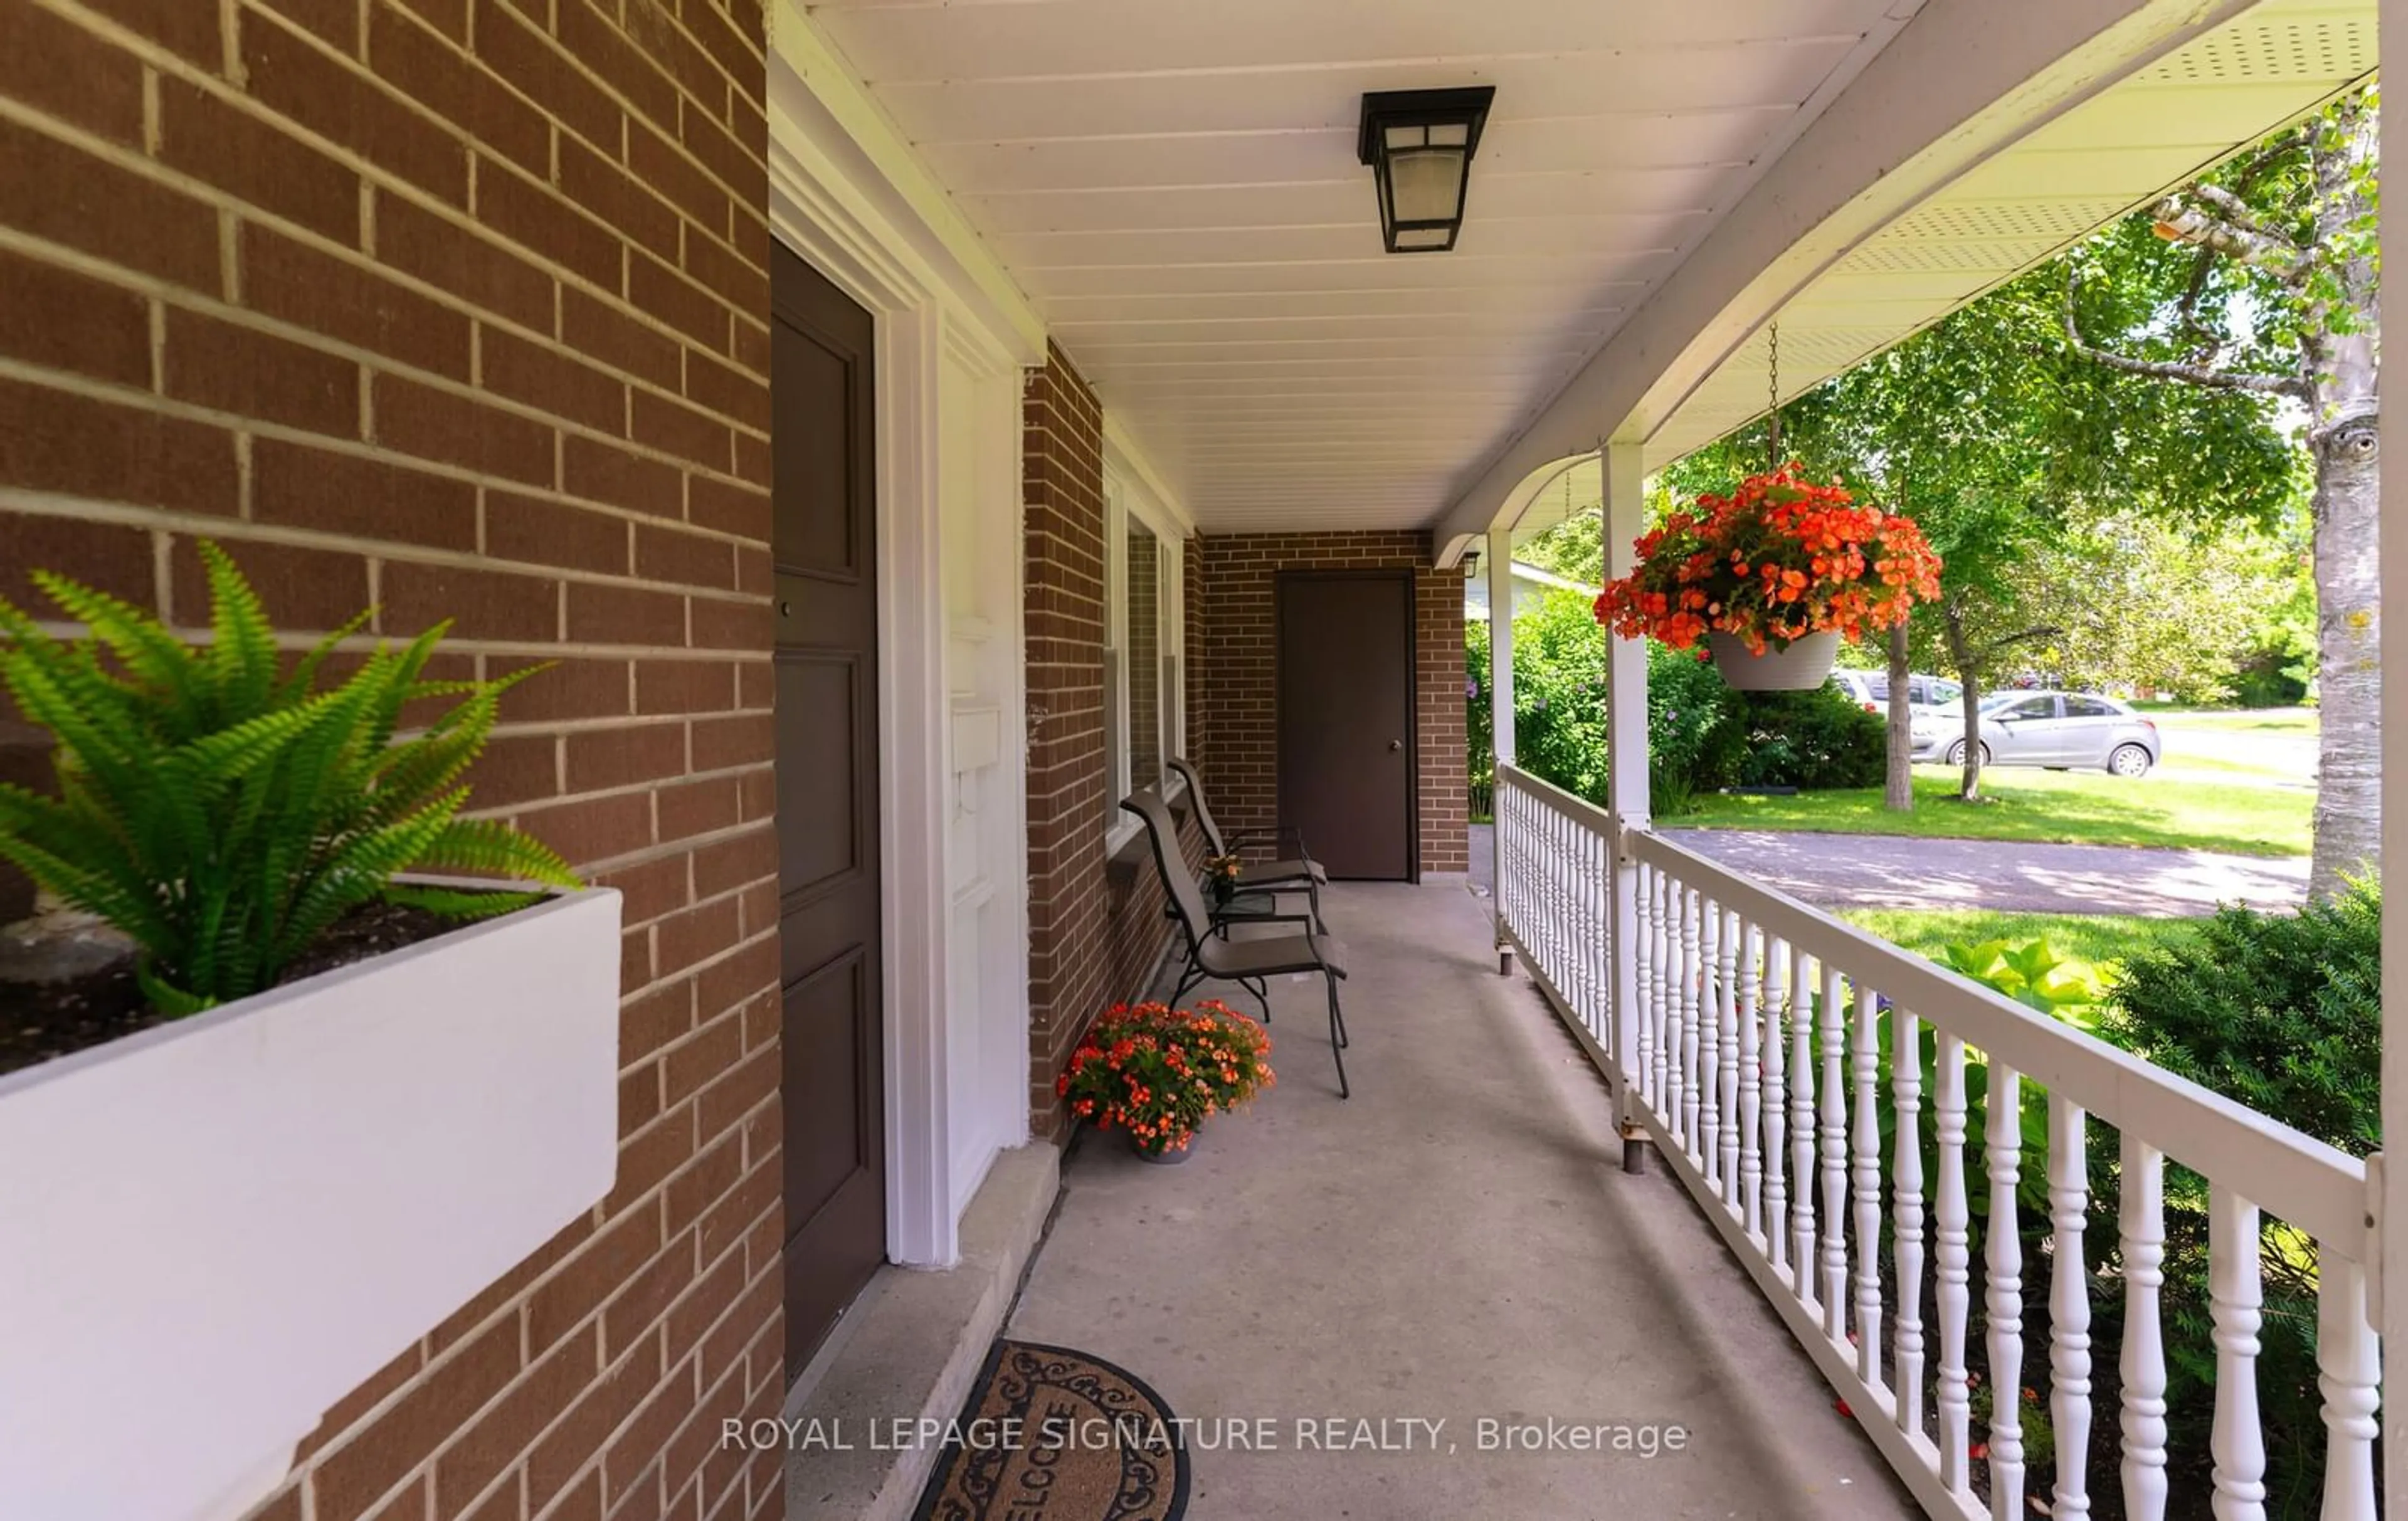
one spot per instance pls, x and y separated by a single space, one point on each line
1802 667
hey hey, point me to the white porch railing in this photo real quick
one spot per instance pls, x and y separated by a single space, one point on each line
1754 1055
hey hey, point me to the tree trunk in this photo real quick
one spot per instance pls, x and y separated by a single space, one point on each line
2338 349
1898 782
2349 679
1960 650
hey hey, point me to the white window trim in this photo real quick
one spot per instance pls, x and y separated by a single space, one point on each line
1127 496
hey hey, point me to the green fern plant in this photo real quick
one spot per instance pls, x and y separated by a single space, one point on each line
224 813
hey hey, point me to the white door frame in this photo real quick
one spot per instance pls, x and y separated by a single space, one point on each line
830 202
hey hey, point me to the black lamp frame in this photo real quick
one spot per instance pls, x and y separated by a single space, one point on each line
1384 108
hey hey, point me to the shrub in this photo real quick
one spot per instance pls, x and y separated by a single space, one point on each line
2280 1011
1806 740
1701 734
224 813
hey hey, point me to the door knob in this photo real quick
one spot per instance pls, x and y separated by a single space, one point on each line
1395 745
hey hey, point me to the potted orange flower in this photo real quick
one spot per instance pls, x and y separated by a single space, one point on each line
1157 1072
1773 576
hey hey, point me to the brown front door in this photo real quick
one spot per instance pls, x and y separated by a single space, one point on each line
822 394
1346 718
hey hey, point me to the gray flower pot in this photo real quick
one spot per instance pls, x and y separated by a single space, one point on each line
1170 1157
1802 667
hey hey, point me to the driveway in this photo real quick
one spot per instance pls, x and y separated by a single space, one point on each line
1887 871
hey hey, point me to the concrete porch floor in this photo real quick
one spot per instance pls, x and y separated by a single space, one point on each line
1455 1242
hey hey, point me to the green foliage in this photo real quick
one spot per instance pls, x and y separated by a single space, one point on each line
2281 1011
1701 734
224 813
1559 692
1812 740
2033 974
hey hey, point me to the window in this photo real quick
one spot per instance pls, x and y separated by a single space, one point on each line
2090 708
1144 624
2030 708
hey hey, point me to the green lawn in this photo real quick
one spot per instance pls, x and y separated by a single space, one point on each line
2080 808
2235 719
2092 937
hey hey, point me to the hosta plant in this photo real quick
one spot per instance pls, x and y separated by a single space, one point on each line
226 811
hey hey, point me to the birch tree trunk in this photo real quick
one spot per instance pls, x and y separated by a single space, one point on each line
2339 344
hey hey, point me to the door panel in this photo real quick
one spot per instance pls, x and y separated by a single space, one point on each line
1346 761
825 507
2026 732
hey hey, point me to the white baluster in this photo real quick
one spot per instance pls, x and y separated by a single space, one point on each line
1642 945
1667 1023
2142 1227
1804 1263
1864 1181
1776 1099
1670 963
2349 1375
1751 1079
2069 1307
1707 1152
1906 1212
1689 977
1832 1035
2234 1292
2003 1301
1951 1263
1593 870
1727 1045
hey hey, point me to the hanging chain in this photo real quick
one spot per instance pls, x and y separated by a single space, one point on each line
1773 384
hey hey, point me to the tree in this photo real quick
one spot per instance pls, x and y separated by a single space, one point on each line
2260 279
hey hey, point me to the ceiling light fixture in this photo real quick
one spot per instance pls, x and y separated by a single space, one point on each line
1419 144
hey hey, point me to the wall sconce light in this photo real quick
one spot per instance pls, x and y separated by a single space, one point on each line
1419 144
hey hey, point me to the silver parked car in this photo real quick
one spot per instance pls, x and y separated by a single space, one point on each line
1869 689
2057 729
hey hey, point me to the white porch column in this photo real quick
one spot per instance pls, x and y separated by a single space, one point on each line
2391 1282
1497 561
1625 519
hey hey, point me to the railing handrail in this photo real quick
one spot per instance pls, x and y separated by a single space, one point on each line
1571 805
2317 1188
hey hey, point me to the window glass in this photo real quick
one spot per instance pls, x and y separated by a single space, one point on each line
2032 708
2088 708
1141 580
1945 690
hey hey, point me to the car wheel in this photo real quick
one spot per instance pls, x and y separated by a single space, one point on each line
2130 761
1956 753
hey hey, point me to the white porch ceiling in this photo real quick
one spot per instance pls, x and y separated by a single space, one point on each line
1175 186
2226 88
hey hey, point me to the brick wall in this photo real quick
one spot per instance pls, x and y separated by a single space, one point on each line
456 306
1095 928
1235 689
1191 568
1062 459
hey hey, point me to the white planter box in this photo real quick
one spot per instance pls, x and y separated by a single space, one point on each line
211 1231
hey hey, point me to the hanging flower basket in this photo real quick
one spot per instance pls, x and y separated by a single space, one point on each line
1802 666
1773 577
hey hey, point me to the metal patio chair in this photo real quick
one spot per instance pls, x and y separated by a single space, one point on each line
1298 872
1250 962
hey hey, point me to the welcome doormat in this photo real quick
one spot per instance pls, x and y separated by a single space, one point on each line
1051 1432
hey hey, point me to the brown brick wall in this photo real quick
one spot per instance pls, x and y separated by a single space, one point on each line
1095 931
1235 689
456 306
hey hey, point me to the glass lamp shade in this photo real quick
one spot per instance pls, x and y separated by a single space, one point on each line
1419 144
